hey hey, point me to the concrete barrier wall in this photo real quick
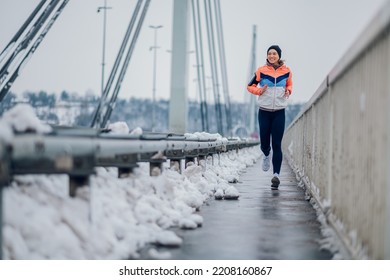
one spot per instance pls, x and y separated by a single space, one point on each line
340 146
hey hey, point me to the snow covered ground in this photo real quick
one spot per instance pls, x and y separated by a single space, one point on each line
114 217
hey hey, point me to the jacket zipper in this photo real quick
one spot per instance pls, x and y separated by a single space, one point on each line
273 103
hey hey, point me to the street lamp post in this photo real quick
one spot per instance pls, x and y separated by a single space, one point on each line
154 47
92 217
104 8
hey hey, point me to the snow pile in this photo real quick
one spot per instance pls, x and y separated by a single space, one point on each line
22 118
118 128
112 218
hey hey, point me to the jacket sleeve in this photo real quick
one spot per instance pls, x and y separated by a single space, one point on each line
253 81
254 90
252 85
289 83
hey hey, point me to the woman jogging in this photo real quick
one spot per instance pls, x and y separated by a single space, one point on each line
272 84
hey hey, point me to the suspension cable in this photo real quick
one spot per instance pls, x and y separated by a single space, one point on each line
98 116
202 68
16 37
23 45
199 64
6 85
125 65
214 76
222 61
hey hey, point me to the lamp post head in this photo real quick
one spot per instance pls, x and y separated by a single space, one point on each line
155 27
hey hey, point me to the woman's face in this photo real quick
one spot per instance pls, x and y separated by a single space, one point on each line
273 56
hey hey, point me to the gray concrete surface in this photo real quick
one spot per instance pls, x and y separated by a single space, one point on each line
261 224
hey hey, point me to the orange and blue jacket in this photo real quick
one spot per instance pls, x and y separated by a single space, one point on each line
277 80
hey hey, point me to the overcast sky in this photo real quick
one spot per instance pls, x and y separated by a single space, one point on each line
313 36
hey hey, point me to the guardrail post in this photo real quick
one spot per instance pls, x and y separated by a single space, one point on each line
76 181
4 179
129 162
155 163
79 176
212 159
125 171
1 222
176 164
189 159
175 157
201 158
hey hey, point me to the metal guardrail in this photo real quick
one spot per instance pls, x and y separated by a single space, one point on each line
77 151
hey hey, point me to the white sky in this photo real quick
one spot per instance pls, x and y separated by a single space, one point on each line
313 36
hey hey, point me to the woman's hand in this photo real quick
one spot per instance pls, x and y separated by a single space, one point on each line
263 89
256 90
287 93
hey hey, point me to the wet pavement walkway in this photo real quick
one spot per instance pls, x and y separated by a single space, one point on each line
261 224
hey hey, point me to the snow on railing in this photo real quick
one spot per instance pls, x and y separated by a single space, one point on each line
77 151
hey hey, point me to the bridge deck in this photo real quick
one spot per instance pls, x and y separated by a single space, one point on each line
262 224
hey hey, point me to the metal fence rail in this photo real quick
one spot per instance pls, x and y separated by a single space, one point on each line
77 151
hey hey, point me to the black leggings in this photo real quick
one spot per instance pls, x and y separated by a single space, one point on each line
272 125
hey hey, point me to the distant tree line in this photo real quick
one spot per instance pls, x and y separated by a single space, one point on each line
136 112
